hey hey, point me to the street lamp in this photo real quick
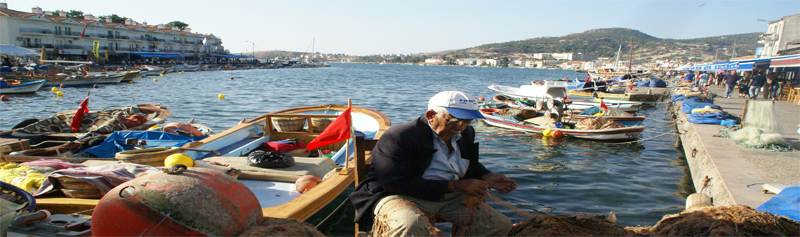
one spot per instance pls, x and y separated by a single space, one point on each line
254 47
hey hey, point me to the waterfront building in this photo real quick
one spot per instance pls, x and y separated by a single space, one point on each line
782 37
63 37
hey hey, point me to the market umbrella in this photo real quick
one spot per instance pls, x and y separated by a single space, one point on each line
11 50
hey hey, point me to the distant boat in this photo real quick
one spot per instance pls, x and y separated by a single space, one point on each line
19 87
608 134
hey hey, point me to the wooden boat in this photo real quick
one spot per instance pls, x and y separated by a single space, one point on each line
19 87
152 71
617 115
547 90
275 187
614 72
68 81
610 134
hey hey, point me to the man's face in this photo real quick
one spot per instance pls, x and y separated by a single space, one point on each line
447 126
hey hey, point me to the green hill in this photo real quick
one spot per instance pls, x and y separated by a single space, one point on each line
606 42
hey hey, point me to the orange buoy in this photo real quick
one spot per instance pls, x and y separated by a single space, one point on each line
231 78
95 86
62 85
481 99
3 98
306 182
557 134
193 202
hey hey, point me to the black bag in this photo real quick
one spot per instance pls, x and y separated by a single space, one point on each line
272 159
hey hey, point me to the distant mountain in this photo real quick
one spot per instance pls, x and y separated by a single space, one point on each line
606 42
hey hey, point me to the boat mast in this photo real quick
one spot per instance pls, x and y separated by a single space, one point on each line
630 60
616 62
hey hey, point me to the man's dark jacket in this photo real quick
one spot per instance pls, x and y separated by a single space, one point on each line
398 161
758 81
731 79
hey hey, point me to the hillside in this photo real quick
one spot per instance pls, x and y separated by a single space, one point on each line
606 42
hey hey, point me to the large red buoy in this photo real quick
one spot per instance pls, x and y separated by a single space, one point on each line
193 202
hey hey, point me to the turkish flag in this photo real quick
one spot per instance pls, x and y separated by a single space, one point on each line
603 105
76 120
339 130
589 78
631 85
84 31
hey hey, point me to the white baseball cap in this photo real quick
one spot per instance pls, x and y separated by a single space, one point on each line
457 103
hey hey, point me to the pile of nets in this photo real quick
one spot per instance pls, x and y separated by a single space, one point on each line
551 225
759 130
597 123
739 220
282 227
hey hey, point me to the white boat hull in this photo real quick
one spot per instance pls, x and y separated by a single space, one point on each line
28 87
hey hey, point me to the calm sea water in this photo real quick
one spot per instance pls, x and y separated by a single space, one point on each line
639 181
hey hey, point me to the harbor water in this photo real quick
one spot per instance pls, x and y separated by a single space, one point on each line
639 181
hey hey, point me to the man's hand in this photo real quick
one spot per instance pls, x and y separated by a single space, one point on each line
500 182
468 186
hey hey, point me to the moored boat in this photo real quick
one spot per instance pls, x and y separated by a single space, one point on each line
274 187
19 87
608 134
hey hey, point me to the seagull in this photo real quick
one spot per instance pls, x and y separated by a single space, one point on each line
701 5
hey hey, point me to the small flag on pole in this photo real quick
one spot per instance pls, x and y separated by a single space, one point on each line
339 130
84 30
603 105
78 118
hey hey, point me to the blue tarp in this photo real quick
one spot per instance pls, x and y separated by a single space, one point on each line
704 118
643 84
786 203
658 83
159 55
688 105
116 142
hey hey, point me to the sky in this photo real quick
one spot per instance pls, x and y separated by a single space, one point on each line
408 27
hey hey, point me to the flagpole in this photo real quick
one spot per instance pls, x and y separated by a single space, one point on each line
347 144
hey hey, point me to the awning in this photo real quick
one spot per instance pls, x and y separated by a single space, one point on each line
232 56
159 55
786 62
11 50
745 67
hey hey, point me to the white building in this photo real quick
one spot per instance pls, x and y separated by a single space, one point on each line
60 36
467 61
781 35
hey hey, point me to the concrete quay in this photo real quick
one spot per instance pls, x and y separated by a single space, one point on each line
731 174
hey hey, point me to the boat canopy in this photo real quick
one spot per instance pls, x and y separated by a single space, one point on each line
742 65
159 55
786 62
116 142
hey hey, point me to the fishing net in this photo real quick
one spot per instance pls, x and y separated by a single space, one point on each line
739 220
282 227
597 123
759 129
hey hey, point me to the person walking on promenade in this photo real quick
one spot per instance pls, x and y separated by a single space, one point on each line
730 82
773 85
756 84
744 85
702 82
689 77
428 168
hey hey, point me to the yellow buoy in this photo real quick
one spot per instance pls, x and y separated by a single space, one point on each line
54 89
181 72
178 158
60 93
161 75
547 132
155 80
130 82
140 77
221 96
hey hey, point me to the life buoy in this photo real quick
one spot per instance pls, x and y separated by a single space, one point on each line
170 128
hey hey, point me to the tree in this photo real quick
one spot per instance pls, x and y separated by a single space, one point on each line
181 25
70 13
505 62
115 18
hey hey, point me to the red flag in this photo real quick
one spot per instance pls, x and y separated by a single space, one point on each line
589 78
84 30
76 120
631 85
603 105
339 130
